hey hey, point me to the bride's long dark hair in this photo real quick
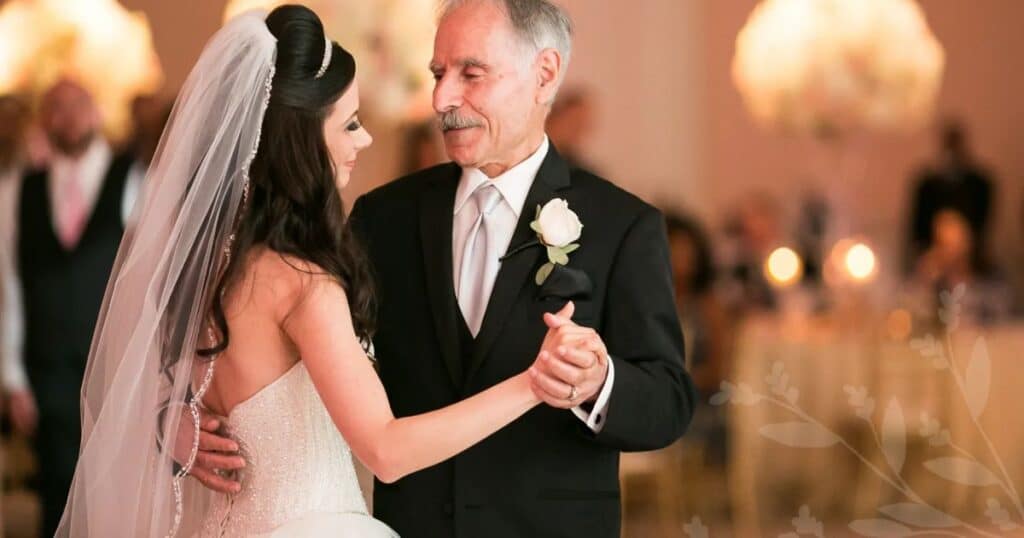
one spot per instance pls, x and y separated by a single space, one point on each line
294 207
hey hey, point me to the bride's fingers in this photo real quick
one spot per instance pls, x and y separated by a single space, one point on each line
582 358
554 321
212 460
573 337
209 441
596 346
562 317
215 482
567 311
554 388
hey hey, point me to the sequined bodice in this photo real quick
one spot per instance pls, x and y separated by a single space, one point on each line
297 464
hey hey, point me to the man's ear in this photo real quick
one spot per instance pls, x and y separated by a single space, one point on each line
549 75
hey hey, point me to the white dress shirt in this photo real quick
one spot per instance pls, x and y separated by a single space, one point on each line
514 186
92 169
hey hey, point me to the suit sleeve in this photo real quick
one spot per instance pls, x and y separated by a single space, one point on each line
653 398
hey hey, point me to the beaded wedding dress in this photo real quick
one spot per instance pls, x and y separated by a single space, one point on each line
299 480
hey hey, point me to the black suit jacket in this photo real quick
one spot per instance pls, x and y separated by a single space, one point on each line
966 189
545 474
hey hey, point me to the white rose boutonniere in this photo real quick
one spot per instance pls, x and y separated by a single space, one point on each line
557 228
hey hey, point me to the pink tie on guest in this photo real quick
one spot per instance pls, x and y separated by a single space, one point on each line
73 210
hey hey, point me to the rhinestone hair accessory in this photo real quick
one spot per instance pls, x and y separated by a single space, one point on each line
328 50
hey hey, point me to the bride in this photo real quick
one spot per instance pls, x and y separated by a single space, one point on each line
240 260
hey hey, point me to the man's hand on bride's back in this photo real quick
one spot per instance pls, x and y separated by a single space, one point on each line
217 455
572 364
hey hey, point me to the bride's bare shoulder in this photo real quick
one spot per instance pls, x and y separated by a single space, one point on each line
286 281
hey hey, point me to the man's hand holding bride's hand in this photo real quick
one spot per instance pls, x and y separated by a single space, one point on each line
572 364
216 454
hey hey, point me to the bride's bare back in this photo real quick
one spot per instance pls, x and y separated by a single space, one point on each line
256 307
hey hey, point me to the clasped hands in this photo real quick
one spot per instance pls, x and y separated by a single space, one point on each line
572 364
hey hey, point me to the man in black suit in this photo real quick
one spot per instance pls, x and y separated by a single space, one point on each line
957 182
461 301
65 225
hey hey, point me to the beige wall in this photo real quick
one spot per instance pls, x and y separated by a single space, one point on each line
643 61
180 29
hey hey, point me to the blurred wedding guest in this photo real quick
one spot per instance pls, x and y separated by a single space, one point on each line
424 147
954 181
68 222
952 259
752 232
704 324
701 312
14 120
149 117
570 122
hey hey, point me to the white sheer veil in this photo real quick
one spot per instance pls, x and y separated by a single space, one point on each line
144 357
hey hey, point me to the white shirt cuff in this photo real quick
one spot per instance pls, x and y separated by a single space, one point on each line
595 419
15 380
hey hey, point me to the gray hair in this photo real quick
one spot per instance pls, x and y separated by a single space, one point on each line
540 24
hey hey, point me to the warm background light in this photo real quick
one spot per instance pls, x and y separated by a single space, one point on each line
784 267
106 48
827 66
860 262
899 324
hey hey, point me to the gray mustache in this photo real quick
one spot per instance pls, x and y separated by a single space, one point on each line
452 120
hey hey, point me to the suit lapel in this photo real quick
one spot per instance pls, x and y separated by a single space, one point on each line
518 270
436 218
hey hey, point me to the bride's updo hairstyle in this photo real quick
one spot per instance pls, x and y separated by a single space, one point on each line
294 206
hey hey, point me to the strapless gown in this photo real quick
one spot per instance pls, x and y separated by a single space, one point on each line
299 480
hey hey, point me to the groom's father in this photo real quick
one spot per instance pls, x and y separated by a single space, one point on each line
465 276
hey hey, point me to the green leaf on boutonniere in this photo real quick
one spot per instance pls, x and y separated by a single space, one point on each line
544 272
569 249
535 226
557 255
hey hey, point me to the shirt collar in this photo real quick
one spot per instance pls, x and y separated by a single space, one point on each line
90 163
514 185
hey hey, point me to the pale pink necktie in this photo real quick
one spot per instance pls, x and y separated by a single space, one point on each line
73 210
479 259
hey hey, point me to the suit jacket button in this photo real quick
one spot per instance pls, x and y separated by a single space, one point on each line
449 509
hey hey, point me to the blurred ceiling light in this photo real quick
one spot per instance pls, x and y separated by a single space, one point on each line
392 41
860 262
783 267
829 66
97 42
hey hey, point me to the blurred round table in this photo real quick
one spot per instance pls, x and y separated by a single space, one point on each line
814 401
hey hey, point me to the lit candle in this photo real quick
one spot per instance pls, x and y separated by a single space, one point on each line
860 262
783 267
